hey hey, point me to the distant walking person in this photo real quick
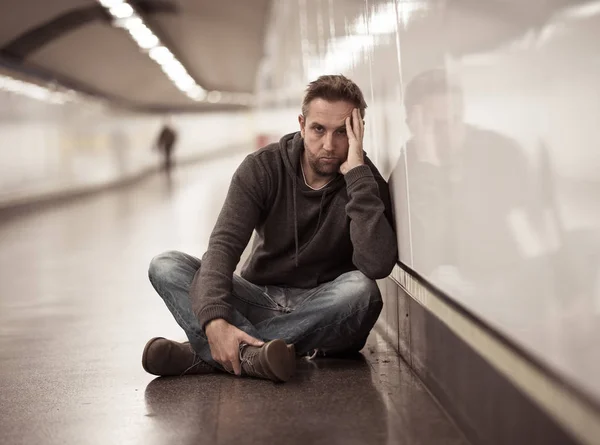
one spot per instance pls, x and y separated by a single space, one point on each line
166 145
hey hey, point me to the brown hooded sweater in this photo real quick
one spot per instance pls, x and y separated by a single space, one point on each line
304 237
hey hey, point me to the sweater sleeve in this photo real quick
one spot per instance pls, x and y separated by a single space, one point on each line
371 227
241 211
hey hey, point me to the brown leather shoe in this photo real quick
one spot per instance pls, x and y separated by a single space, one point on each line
164 357
272 361
292 351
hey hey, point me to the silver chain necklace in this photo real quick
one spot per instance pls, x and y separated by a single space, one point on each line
312 188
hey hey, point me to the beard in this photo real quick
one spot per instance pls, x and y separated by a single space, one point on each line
321 167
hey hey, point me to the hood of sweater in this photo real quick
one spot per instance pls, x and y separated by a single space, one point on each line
292 148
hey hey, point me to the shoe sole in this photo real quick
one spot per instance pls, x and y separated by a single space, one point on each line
280 359
145 354
292 351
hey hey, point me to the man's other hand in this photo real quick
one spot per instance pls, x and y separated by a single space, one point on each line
355 131
224 340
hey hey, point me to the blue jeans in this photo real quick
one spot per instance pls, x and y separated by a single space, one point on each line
334 317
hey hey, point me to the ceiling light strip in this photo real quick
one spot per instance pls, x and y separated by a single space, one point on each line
126 18
35 91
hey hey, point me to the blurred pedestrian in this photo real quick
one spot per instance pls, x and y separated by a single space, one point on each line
165 144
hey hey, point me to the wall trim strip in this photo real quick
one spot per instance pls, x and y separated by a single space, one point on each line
578 415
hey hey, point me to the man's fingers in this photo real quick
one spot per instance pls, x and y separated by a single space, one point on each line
227 367
359 123
235 362
251 340
216 357
349 130
224 363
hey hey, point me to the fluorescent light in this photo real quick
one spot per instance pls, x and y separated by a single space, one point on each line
110 3
121 11
174 68
161 55
127 19
35 91
184 83
129 22
144 37
196 93
226 98
214 97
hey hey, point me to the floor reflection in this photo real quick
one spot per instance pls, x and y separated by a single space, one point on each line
328 401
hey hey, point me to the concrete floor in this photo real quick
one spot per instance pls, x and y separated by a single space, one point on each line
76 309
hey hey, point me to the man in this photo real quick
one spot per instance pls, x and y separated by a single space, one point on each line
165 144
321 212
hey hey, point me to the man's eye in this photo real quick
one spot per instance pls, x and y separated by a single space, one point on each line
341 131
318 129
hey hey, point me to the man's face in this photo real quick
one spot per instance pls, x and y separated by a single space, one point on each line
324 132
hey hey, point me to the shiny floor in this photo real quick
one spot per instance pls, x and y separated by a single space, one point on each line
76 309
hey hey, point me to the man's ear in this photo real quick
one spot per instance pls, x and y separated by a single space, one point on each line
302 124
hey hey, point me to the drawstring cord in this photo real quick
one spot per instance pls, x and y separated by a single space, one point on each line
295 221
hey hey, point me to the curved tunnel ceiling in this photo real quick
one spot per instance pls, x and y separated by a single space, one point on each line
220 43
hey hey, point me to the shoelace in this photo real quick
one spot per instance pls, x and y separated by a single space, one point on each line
196 362
248 360
313 355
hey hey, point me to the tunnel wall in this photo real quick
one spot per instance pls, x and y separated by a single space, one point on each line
52 149
506 223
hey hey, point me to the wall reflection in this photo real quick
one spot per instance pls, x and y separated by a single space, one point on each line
460 202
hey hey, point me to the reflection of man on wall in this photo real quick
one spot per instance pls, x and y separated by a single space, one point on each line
466 187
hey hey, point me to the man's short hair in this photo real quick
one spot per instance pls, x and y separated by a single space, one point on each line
334 88
429 83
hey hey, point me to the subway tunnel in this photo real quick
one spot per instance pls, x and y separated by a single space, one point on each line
123 129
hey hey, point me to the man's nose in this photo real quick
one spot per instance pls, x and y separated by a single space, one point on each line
328 142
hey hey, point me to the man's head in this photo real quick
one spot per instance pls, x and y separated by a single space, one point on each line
434 102
328 101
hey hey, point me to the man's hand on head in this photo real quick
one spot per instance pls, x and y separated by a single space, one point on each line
355 129
224 340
